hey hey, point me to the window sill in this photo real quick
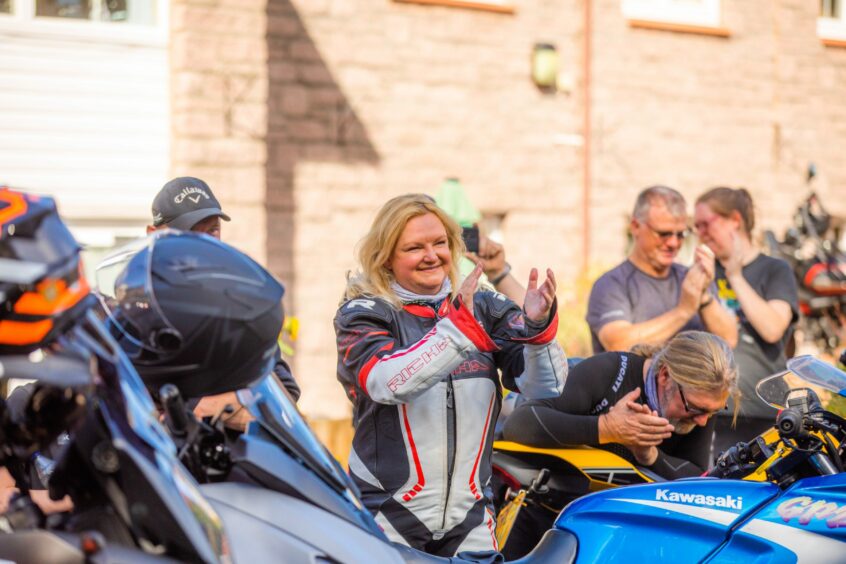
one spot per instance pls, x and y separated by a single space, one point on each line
828 42
832 31
681 28
500 8
84 32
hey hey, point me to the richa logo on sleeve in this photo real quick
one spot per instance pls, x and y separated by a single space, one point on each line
727 501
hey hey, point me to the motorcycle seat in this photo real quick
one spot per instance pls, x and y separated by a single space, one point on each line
557 545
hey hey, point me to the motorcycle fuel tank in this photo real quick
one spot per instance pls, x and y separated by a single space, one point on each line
807 523
680 521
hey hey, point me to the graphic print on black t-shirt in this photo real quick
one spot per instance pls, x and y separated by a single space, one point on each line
772 279
726 295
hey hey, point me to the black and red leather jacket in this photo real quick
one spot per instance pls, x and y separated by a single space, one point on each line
426 391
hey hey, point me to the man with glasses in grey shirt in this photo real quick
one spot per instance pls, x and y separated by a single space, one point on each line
649 298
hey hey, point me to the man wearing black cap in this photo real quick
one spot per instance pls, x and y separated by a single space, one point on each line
187 203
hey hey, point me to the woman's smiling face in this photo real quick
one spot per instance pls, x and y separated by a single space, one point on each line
421 258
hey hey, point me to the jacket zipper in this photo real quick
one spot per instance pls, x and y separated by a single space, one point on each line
451 438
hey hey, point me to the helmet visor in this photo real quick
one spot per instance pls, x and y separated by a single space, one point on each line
34 248
125 287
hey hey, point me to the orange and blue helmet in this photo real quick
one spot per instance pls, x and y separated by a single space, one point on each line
42 286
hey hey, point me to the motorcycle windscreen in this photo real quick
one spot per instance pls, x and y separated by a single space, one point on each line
271 407
152 476
773 389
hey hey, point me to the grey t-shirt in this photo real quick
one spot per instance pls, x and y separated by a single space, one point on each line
772 279
627 293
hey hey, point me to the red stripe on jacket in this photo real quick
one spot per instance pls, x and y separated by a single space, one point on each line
421 480
467 324
371 334
472 482
545 336
365 370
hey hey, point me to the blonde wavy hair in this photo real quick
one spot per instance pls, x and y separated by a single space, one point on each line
373 279
698 360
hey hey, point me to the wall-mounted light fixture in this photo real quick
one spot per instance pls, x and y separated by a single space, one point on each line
545 66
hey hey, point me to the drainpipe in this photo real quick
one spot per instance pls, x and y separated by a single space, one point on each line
586 134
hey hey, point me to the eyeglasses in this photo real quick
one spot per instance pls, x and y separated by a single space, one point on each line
694 410
667 235
701 226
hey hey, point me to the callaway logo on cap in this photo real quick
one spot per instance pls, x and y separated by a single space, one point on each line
184 202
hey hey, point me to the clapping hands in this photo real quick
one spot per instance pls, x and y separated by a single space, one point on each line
539 299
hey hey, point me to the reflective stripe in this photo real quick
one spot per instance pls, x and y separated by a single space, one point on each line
358 468
705 513
808 546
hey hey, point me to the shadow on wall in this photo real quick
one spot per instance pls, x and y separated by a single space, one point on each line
309 119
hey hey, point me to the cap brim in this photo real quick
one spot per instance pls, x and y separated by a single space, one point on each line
188 220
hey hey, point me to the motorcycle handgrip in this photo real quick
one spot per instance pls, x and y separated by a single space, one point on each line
174 408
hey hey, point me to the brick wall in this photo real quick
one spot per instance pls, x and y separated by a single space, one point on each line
398 97
219 106
306 115
695 111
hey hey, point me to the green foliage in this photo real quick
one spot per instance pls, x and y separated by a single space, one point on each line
837 404
573 330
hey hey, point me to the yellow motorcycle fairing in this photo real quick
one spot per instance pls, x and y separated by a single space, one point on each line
603 469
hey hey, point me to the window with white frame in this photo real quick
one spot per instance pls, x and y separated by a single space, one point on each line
831 23
139 12
700 13
123 20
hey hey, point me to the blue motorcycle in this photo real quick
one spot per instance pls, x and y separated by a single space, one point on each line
791 506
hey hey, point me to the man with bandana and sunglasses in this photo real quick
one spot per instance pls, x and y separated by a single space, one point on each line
649 298
651 406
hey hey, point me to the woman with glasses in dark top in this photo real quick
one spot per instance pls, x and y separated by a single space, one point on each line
761 291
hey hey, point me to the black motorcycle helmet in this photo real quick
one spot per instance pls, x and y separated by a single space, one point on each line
41 282
192 311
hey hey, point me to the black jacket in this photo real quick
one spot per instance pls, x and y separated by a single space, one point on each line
593 387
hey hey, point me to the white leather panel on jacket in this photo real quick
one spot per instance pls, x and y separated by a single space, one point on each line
545 371
424 432
405 374
475 412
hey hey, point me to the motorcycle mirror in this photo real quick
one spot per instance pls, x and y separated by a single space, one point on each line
812 171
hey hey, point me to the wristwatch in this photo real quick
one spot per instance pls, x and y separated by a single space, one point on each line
501 276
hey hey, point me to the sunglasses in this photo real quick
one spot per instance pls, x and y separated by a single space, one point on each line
667 235
694 410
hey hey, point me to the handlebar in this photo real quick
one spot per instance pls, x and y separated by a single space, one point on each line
174 408
741 459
